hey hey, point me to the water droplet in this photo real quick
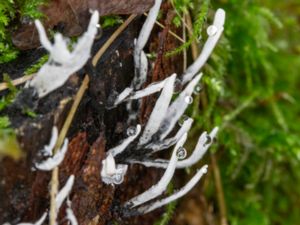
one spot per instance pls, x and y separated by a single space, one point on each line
197 89
181 153
182 119
212 30
208 140
177 86
188 99
131 131
118 178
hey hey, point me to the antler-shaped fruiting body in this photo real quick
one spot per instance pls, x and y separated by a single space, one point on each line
62 62
155 138
162 121
140 58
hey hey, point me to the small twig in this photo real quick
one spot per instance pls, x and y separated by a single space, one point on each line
112 38
17 81
184 22
194 46
170 32
219 190
184 50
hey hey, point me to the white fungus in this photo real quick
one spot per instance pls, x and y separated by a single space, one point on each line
53 161
64 192
160 108
62 63
216 30
112 173
120 148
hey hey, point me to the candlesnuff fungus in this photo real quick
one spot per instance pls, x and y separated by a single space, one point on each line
62 62
140 58
162 121
214 32
141 143
153 138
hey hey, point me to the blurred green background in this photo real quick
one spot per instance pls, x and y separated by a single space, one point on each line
252 90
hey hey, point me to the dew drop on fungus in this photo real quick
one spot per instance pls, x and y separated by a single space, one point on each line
181 153
182 119
118 179
188 99
212 30
131 131
197 89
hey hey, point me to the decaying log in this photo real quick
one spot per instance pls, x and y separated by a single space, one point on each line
95 129
71 17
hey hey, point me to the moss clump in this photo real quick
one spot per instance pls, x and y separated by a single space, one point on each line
10 12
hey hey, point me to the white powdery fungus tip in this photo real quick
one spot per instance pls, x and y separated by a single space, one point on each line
214 33
64 192
161 186
148 26
177 108
159 110
112 173
62 63
54 161
120 148
140 59
204 142
157 204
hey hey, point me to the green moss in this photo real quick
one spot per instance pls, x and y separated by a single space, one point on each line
110 21
35 67
250 89
15 10
182 6
9 146
10 97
